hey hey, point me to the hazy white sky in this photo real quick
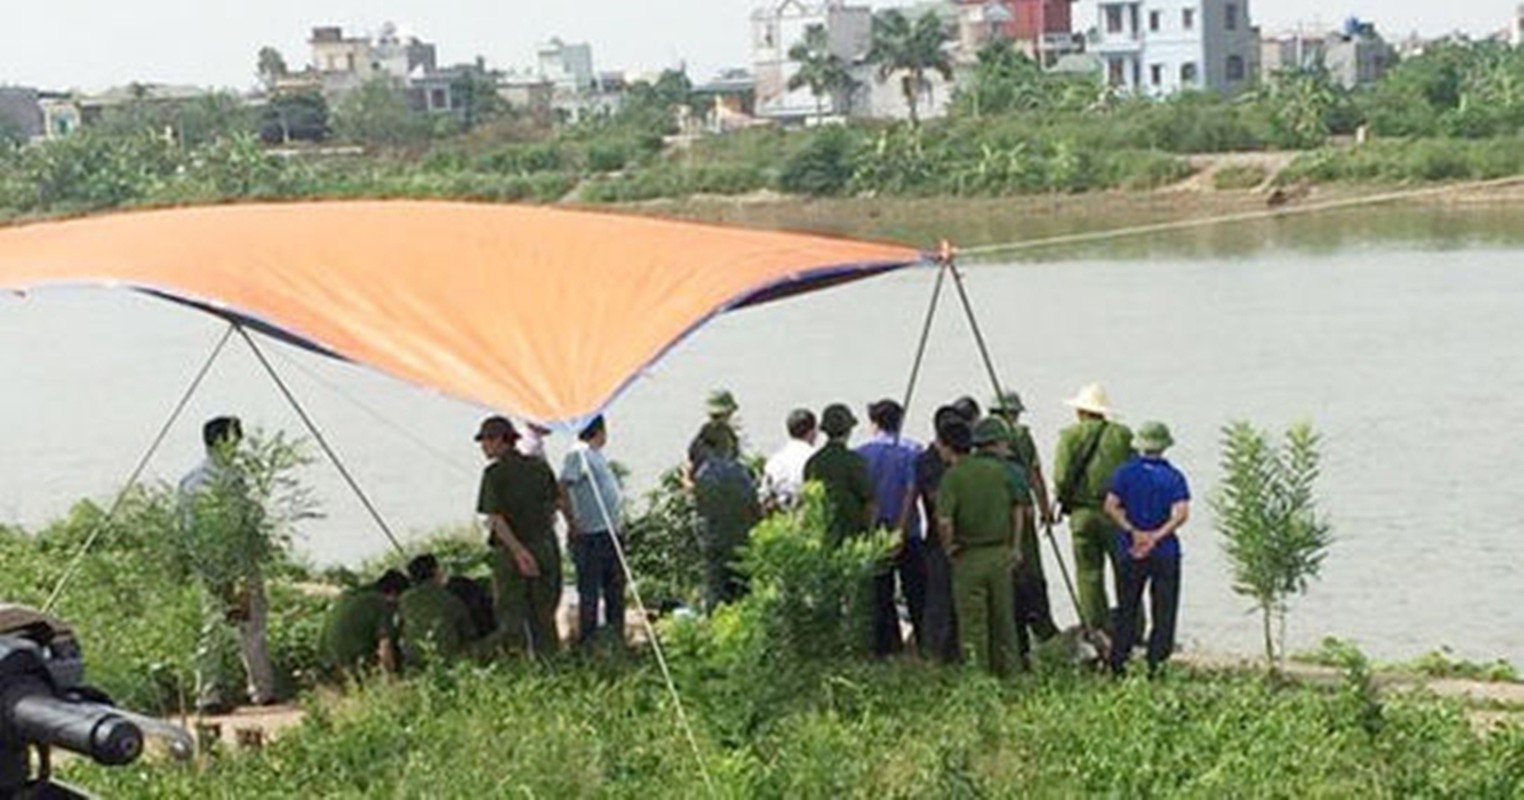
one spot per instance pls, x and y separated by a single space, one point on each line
93 44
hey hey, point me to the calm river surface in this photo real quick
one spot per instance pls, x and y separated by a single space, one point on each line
1403 352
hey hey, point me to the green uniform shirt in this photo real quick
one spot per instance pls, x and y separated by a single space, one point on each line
714 429
1114 449
848 488
977 496
356 623
524 491
1023 456
434 621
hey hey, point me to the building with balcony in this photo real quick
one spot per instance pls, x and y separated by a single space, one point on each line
1043 29
1161 47
778 25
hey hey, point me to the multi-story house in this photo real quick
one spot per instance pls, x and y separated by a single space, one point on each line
343 63
777 26
1043 29
1160 47
1357 55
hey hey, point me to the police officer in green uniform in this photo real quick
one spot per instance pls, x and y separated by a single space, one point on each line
1089 453
844 474
360 629
434 622
1034 616
718 434
519 496
979 522
728 506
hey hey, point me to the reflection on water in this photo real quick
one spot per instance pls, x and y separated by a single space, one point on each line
1401 350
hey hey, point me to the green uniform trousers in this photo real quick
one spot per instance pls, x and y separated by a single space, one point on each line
983 595
526 607
1094 544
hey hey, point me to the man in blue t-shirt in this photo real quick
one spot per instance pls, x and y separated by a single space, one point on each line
1149 501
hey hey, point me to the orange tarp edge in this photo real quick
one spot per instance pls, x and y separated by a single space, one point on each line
540 312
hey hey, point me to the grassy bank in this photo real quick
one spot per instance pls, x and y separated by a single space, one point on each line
862 731
780 706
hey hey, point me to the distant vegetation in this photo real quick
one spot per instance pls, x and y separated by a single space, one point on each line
1454 113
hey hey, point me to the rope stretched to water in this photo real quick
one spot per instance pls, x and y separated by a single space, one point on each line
983 251
612 531
137 473
317 434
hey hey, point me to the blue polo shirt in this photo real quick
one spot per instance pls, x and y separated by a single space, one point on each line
1149 487
892 466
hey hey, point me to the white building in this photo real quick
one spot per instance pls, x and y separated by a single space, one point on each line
569 67
1160 47
1518 27
777 26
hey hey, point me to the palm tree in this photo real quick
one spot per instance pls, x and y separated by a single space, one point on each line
819 69
913 48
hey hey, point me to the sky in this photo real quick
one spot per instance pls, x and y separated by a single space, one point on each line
95 44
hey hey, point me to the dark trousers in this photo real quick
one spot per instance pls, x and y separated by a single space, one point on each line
938 635
884 634
910 565
1161 575
599 577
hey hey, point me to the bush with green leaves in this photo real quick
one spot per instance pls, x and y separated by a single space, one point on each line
1274 536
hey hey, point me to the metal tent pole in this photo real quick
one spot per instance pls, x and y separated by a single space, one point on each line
321 440
100 527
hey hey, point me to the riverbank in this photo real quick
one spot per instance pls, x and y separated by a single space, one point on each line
1495 213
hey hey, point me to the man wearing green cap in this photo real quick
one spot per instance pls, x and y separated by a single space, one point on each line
718 434
1034 617
980 521
1149 500
725 497
844 474
1089 453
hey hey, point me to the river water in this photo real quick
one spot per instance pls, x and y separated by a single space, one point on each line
1403 352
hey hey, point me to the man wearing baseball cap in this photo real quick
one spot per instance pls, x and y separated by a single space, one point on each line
1148 500
519 496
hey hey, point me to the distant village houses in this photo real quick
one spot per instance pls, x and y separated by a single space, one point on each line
1355 55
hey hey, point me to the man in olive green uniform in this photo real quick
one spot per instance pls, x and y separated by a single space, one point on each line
728 506
520 496
434 622
1089 453
718 434
360 629
844 474
979 522
1034 616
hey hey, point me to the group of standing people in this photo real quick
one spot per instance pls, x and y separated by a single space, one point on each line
969 510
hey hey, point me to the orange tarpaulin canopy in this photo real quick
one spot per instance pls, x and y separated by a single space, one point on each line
539 312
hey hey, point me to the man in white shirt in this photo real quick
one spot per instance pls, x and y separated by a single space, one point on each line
593 503
783 477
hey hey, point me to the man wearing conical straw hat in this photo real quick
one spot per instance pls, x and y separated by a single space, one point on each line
1089 452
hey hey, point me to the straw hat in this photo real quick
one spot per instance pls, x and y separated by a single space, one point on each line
1092 398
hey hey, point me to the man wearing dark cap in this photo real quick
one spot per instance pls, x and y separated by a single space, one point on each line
937 637
519 496
979 522
844 474
891 466
1034 617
